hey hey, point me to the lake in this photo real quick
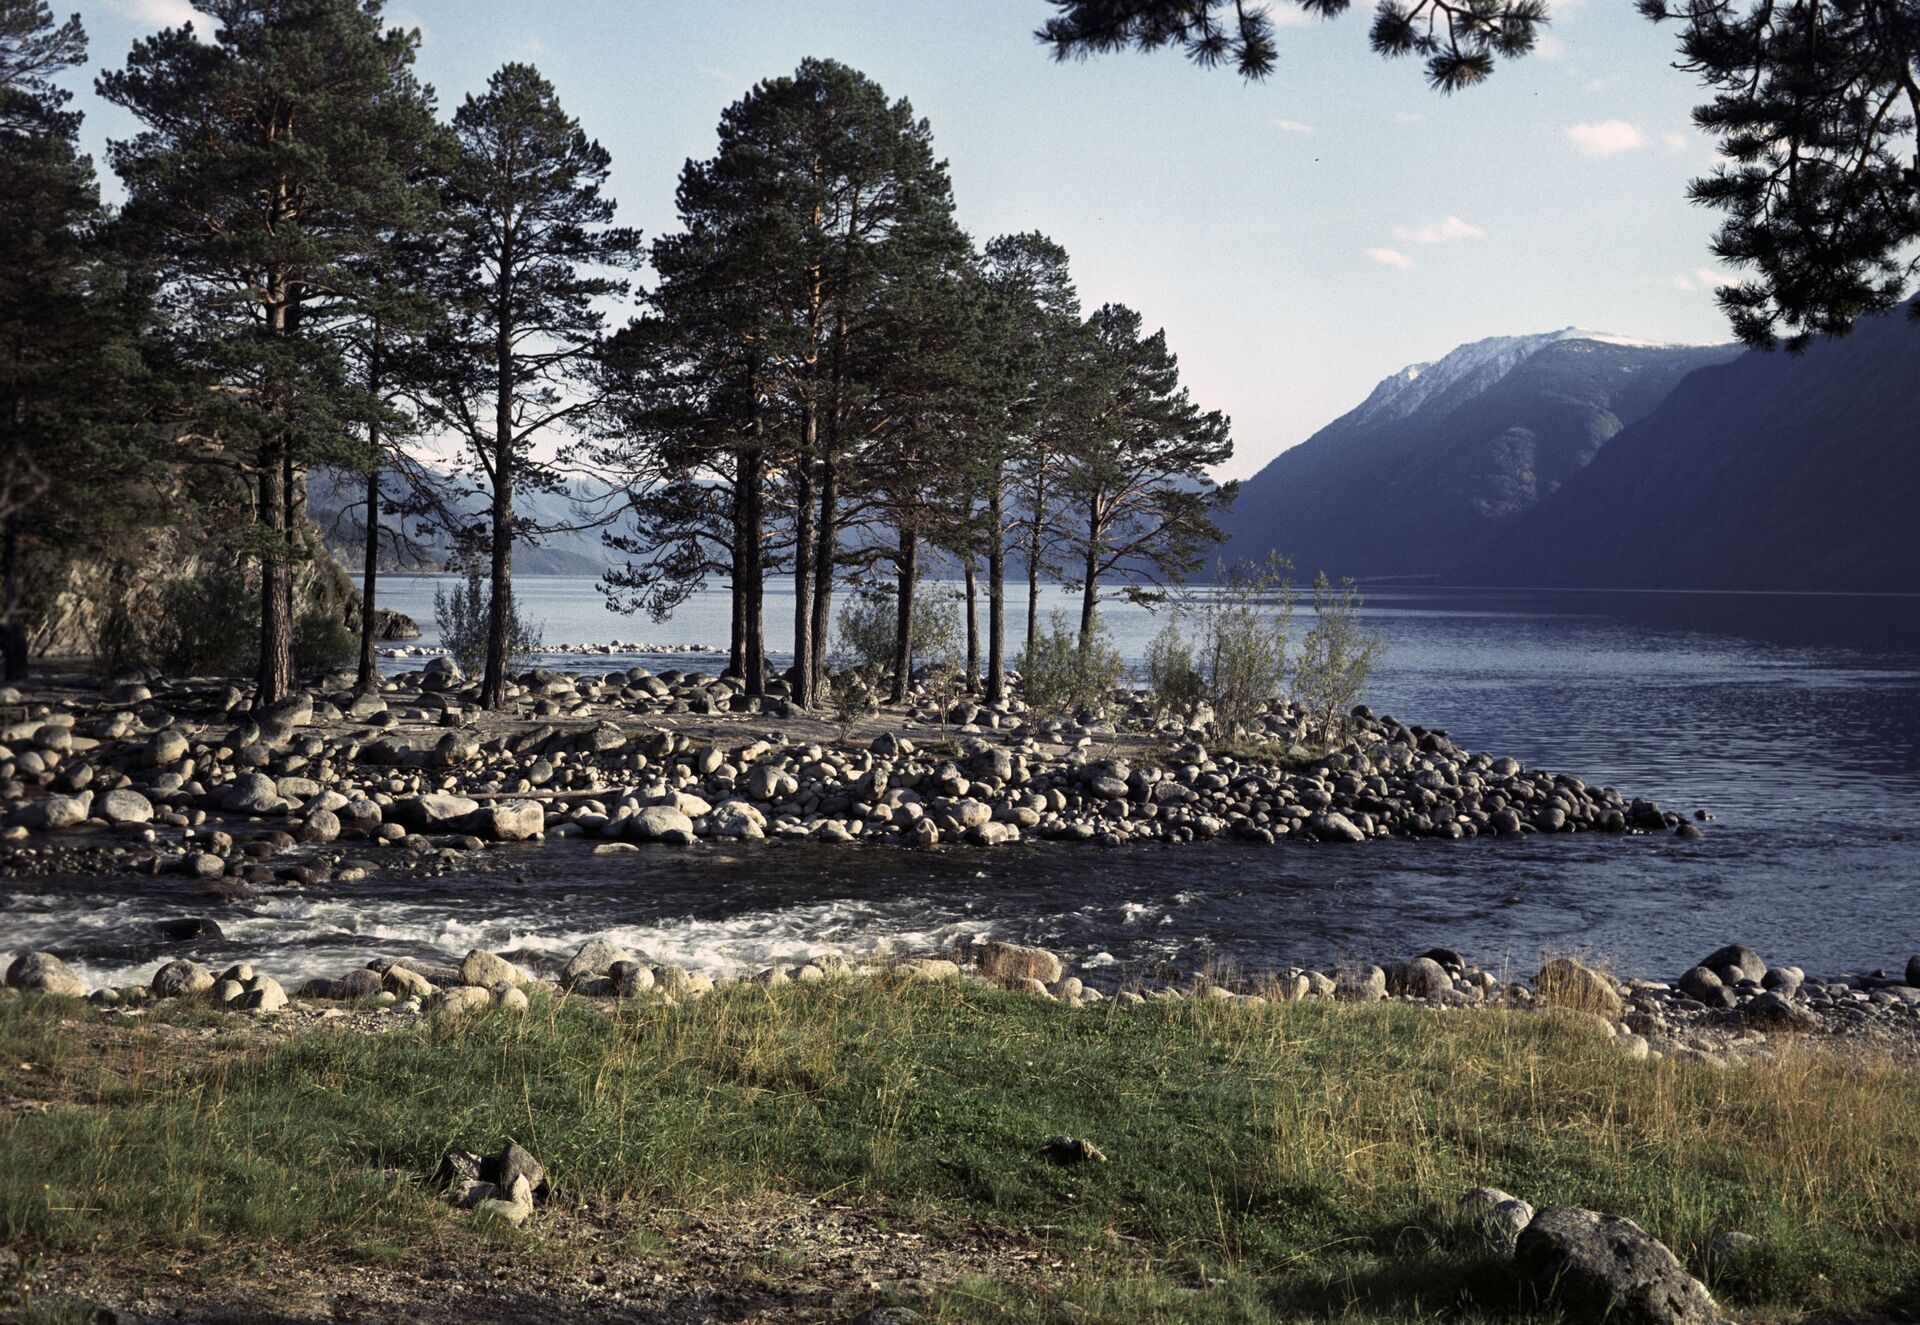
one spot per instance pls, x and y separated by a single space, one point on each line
1793 719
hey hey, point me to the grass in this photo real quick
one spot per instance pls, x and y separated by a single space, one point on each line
1251 752
1265 1162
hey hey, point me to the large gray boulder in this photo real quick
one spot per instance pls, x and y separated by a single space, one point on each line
1333 827
55 812
592 958
508 821
1009 963
44 973
1360 984
1566 983
436 812
1595 1266
661 823
125 806
180 979
1744 961
255 793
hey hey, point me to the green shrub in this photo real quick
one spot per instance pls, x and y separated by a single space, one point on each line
1060 676
866 634
206 624
1336 657
321 640
1176 682
462 620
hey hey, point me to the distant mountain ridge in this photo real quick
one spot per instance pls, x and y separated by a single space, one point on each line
336 500
1769 472
1415 480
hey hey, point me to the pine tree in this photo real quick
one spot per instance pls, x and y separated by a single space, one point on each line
1137 479
66 324
1029 274
266 166
531 239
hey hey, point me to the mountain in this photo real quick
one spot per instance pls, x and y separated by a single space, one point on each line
336 501
1772 471
1414 480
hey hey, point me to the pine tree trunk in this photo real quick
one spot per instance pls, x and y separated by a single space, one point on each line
826 553
996 596
370 562
1033 588
1089 593
737 590
13 607
973 629
276 626
754 572
802 674
369 584
907 577
493 689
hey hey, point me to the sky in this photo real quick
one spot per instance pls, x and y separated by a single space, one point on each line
1299 239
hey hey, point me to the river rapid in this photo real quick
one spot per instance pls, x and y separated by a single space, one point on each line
1793 719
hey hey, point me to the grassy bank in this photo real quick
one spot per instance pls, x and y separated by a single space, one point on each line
1284 1160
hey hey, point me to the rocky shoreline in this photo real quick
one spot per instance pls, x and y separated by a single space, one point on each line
1730 1010
186 771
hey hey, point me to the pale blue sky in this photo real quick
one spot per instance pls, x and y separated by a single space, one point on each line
1298 239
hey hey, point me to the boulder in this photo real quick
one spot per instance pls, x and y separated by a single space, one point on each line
1422 977
436 812
44 973
164 747
484 970
1567 983
737 818
1701 984
1604 1267
509 821
661 823
1006 963
1742 959
263 994
181 979
594 957
320 827
459 1000
1495 1215
1332 827
254 793
124 806
55 812
1360 984
1773 1011
628 979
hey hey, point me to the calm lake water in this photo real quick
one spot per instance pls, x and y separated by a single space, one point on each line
1795 719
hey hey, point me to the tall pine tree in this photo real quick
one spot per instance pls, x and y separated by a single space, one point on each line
267 164
1136 480
522 274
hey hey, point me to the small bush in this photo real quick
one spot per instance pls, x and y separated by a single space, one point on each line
867 631
322 640
462 620
206 624
1177 684
1336 657
1061 676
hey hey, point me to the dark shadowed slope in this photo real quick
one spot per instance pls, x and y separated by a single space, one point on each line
1415 480
1770 472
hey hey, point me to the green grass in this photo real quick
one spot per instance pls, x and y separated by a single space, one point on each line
1265 1163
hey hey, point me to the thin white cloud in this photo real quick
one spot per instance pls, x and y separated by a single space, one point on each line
1446 231
1388 257
1607 138
1676 142
1292 126
1549 47
1596 85
161 13
1704 278
1407 117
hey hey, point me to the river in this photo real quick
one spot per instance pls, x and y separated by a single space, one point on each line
1793 719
